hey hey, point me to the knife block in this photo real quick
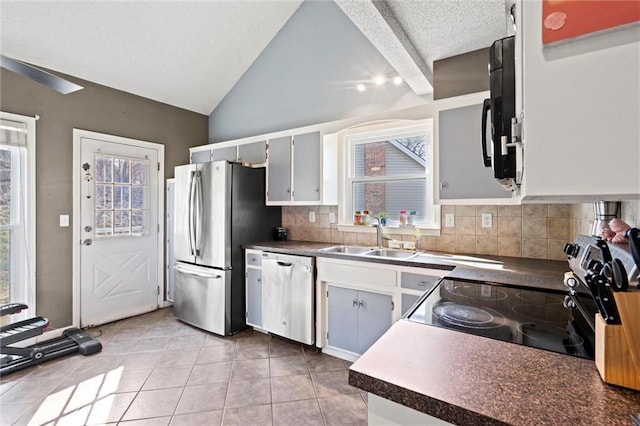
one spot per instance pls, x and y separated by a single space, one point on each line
618 345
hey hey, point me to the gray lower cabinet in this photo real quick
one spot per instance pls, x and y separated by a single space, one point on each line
407 301
254 297
356 319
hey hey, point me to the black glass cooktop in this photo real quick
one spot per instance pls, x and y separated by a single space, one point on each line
531 317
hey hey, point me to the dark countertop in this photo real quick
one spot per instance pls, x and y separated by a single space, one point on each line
468 379
496 269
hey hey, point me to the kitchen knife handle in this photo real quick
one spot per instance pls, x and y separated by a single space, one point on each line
633 235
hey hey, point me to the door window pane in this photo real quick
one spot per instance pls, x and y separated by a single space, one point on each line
121 197
120 170
139 197
104 223
104 197
138 173
122 222
104 172
121 205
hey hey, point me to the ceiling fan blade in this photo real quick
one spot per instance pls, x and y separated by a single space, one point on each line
54 82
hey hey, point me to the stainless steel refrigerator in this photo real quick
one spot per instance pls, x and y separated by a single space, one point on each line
219 207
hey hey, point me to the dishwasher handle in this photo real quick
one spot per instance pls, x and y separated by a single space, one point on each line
287 264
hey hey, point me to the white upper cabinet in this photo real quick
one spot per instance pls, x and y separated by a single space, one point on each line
279 170
460 175
254 153
581 105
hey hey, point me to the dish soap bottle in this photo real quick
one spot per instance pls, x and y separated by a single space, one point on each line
418 239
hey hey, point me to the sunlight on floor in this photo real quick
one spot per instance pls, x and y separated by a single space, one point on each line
88 402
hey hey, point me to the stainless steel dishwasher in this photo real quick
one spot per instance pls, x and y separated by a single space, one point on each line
288 296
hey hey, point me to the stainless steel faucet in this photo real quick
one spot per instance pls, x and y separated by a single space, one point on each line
379 231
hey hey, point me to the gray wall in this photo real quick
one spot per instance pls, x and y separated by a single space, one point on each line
307 75
96 108
461 74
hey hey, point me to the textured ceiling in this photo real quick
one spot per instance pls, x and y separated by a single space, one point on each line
191 53
443 28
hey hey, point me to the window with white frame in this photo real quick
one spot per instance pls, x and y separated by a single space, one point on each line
389 169
17 210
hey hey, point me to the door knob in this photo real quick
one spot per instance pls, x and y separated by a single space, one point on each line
87 228
87 242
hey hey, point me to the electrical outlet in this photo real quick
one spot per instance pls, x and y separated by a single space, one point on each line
312 217
449 221
487 220
332 217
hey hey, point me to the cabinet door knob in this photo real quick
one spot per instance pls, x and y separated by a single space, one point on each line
355 302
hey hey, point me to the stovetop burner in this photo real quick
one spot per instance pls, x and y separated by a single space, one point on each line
531 317
468 316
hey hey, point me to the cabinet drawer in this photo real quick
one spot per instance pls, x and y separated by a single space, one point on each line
417 281
254 259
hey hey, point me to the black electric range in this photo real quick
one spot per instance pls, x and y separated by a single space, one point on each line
533 317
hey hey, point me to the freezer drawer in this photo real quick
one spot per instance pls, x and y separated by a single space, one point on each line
199 297
288 296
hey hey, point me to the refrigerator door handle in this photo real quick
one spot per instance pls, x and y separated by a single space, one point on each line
197 274
198 220
189 212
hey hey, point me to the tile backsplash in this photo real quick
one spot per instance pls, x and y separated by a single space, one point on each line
535 230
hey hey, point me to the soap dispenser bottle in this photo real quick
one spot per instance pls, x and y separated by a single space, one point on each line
418 239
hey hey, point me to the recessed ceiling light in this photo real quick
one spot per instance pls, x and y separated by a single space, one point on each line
379 80
361 87
397 80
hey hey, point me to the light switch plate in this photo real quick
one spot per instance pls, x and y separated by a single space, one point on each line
487 220
64 220
448 220
312 217
332 217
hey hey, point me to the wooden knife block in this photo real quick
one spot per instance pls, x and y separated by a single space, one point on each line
618 346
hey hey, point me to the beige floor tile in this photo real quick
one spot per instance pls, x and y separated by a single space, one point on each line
167 377
292 388
301 413
202 398
343 410
288 365
332 383
210 373
209 418
249 392
256 415
245 369
153 403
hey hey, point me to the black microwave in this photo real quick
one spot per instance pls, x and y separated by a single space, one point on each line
501 107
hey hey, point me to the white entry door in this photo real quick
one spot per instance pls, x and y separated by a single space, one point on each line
119 228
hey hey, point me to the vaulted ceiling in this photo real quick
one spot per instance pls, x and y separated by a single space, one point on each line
191 53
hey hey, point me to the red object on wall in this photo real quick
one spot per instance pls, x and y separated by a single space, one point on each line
565 19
